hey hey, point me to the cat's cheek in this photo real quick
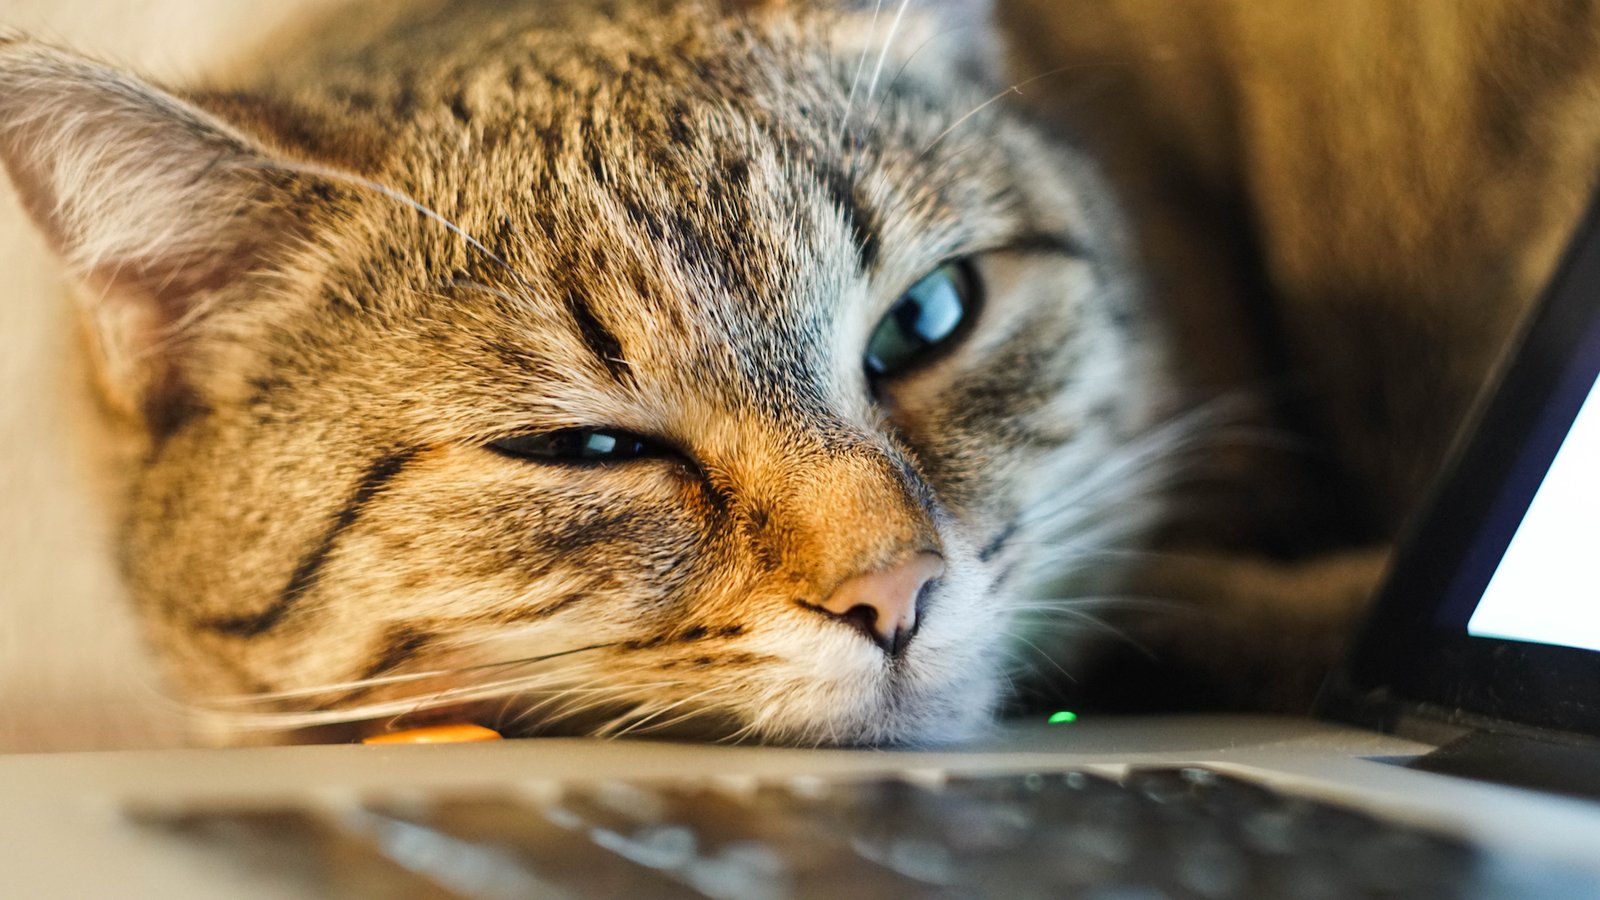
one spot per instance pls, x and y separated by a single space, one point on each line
957 676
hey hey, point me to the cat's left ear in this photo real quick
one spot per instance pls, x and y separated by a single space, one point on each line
152 202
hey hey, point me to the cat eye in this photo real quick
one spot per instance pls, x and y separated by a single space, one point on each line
926 319
580 446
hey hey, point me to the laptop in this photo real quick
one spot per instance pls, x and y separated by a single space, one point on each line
1455 753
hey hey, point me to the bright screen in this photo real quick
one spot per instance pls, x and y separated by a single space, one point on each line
1547 586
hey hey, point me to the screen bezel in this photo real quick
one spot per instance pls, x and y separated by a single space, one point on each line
1413 655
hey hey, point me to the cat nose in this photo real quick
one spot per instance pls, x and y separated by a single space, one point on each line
883 605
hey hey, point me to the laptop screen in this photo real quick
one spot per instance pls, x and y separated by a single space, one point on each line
1529 574
1546 588
1491 615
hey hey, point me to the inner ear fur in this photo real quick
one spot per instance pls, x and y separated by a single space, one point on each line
152 203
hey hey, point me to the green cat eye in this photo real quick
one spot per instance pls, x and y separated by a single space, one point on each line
923 321
579 445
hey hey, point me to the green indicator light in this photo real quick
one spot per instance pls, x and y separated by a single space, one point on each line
1063 717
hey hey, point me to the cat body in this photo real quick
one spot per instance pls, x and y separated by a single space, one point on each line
364 317
1383 188
1345 210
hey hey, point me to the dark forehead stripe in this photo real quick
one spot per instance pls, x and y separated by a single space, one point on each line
841 189
378 475
597 337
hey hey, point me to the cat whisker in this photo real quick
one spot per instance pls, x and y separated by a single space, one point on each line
567 704
680 719
640 717
1084 547
741 734
1087 87
562 705
577 701
1076 604
861 65
1114 473
559 681
266 697
396 195
1015 88
1016 661
1048 658
1156 447
1010 682
615 729
1025 672
899 73
1154 464
516 706
574 704
573 700
888 42
1098 624
1073 551
526 712
395 708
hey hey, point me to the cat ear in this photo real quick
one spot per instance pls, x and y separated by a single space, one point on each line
152 202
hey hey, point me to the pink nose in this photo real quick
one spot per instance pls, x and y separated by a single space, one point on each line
883 604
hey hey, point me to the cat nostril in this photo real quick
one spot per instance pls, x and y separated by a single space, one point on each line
864 618
882 605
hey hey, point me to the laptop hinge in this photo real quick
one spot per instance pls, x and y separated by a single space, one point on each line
1566 768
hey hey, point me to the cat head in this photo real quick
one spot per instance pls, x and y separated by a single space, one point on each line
747 369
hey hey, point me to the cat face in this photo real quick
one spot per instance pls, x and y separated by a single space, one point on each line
627 370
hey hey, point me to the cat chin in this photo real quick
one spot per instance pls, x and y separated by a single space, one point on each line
914 703
920 722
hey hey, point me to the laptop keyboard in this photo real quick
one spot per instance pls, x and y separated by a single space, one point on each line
1154 833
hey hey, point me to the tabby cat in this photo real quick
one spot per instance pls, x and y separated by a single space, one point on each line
601 367
770 371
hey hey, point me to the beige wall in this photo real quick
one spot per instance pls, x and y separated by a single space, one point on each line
71 670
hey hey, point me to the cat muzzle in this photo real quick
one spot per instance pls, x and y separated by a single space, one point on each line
884 605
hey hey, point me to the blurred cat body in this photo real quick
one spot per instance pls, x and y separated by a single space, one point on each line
323 297
1345 209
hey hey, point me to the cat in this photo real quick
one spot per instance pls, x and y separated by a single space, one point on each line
682 238
738 369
